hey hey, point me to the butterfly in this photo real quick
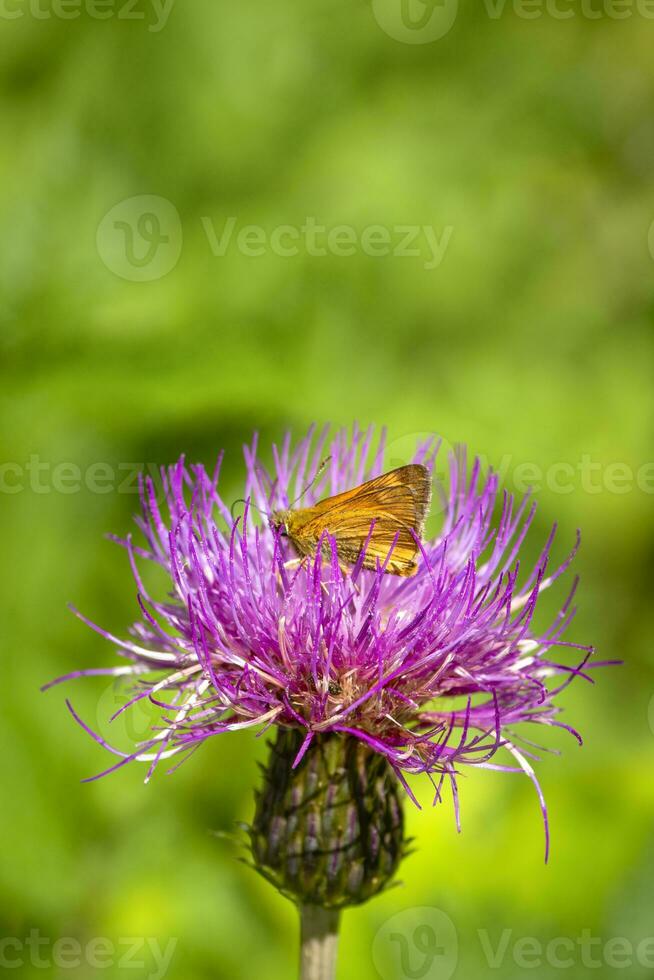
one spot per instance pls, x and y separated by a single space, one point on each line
383 518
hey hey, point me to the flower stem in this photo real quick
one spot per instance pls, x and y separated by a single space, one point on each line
318 942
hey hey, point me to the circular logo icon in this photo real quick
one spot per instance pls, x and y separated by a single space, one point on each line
120 723
415 21
140 239
402 450
416 944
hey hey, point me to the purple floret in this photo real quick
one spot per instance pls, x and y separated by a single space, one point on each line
433 671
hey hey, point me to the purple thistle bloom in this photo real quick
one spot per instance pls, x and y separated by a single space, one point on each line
248 639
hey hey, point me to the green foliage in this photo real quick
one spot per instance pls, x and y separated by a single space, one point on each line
531 341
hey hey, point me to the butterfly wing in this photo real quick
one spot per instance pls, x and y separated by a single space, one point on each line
396 502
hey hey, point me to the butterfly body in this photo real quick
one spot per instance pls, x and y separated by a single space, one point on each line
383 518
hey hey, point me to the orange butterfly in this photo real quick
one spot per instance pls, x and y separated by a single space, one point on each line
396 502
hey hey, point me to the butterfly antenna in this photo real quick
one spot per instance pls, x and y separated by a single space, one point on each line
320 469
247 503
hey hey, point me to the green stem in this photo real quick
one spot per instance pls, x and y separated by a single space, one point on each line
318 942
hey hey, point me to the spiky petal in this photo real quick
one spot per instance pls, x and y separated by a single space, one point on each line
434 673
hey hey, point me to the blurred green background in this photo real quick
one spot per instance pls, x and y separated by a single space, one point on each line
532 141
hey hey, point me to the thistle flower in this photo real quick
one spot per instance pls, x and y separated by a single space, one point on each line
428 675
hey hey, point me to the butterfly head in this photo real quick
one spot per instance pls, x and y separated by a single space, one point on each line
279 521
